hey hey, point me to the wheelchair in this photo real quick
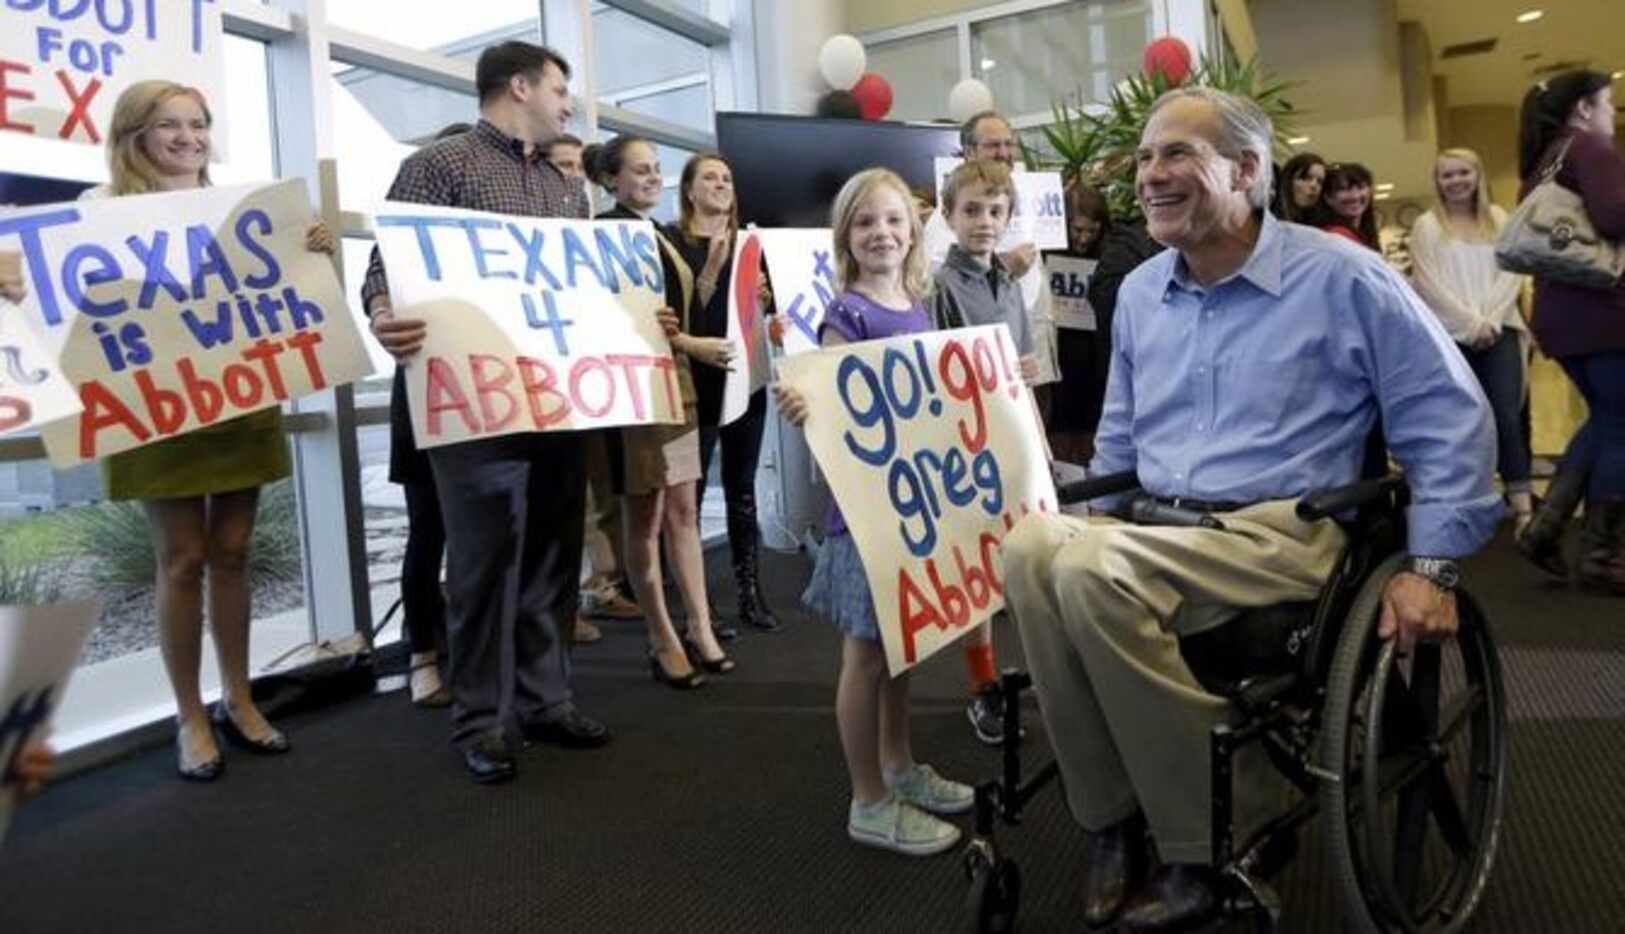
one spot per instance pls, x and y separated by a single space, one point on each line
1403 760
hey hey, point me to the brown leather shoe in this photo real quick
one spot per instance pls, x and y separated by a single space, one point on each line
1117 859
1179 896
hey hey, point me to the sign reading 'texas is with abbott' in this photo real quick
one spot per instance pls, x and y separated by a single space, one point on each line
63 63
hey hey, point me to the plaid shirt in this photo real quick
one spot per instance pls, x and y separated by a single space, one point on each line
484 170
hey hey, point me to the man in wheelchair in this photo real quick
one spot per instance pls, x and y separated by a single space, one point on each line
1250 364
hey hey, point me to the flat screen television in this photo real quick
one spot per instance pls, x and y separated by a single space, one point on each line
788 169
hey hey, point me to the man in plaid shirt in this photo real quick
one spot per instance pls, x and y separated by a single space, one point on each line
513 505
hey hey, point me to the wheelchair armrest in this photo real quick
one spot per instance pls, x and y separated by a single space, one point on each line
1322 504
1078 491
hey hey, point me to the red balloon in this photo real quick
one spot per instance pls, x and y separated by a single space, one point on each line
874 96
1170 56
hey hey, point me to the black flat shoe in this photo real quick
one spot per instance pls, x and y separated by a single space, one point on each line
1117 860
657 670
274 745
203 771
720 666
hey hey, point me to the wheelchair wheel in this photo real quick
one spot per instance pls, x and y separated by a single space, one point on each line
1419 748
994 895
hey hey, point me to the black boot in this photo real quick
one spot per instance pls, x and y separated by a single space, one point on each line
1542 541
1602 547
743 541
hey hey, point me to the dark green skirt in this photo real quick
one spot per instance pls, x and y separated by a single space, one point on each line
234 455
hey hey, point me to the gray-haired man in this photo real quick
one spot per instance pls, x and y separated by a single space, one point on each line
1249 365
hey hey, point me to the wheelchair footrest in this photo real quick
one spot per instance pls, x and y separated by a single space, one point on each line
1254 695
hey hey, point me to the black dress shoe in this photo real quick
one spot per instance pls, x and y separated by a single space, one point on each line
573 730
273 745
488 761
1179 897
724 631
1117 858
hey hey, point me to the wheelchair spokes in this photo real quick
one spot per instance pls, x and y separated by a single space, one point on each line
1422 790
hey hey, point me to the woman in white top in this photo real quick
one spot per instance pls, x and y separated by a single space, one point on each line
1453 251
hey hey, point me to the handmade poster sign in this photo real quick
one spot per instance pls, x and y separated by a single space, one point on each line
169 312
38 648
33 391
533 324
1069 290
801 265
932 450
63 63
1038 215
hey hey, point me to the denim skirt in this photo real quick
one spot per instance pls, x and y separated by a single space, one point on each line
839 589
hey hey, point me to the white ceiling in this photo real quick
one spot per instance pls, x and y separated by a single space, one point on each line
1588 32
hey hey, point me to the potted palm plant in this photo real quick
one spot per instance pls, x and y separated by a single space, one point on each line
1097 143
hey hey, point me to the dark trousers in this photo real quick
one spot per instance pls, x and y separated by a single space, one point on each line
1599 446
423 608
1500 371
741 452
514 510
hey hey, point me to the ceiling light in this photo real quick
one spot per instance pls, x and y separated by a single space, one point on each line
1384 196
1531 16
987 64
1297 140
1618 75
1386 186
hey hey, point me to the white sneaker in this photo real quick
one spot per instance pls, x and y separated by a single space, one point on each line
901 828
922 787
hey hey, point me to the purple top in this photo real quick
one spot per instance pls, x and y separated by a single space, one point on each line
856 318
1572 319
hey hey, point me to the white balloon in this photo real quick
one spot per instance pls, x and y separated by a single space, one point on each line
842 61
968 98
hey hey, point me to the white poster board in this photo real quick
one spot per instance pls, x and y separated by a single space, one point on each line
801 265
38 648
63 63
932 449
170 312
33 392
1069 291
1038 215
534 324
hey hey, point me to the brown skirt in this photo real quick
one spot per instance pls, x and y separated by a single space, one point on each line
650 458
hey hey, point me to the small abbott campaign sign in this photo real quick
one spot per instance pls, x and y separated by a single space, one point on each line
170 312
534 324
801 265
1038 215
932 450
38 647
63 63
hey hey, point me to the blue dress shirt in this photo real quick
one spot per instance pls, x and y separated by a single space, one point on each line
1267 384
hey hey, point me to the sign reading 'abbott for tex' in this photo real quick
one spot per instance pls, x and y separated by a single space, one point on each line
63 63
533 324
169 312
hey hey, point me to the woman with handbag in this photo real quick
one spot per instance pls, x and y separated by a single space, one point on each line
1454 271
1568 122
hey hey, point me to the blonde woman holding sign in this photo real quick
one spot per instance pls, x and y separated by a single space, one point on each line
200 490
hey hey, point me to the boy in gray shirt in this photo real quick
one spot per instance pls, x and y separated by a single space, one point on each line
973 287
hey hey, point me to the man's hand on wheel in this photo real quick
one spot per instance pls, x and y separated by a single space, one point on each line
1414 609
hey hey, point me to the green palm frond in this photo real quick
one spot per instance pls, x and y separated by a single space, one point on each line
1098 142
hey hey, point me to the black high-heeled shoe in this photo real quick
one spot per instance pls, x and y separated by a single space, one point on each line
203 771
274 745
720 666
657 669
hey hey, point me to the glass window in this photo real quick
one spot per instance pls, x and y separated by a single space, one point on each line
651 70
1030 60
921 70
378 120
457 30
689 106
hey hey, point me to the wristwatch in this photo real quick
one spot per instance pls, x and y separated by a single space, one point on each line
1444 573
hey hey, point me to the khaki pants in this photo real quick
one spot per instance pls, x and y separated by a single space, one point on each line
1100 604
